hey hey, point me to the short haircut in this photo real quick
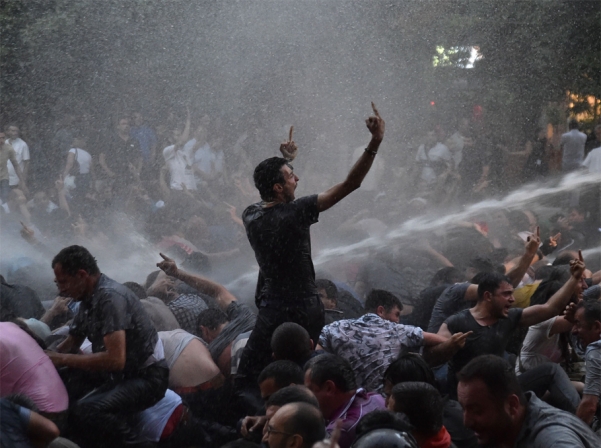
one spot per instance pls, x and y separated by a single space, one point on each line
421 403
329 287
292 394
592 310
482 264
573 123
447 275
211 318
382 419
543 273
332 368
379 297
137 289
308 422
74 258
409 367
284 373
291 341
496 373
151 278
490 282
564 258
267 174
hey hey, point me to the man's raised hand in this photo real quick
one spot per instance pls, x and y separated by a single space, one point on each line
375 124
168 265
533 242
288 148
577 266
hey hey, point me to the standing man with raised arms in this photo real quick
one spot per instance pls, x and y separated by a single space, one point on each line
278 231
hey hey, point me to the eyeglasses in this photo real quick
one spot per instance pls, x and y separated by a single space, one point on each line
270 430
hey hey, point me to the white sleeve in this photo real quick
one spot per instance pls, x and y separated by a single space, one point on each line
25 151
587 161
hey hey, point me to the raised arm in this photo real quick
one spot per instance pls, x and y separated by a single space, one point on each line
555 305
517 273
202 284
358 172
20 174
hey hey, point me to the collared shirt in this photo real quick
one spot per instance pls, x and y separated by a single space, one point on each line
548 427
113 307
369 344
186 309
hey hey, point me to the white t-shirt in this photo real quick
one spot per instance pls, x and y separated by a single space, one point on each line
593 161
539 347
208 160
151 422
84 159
180 167
22 153
573 149
437 153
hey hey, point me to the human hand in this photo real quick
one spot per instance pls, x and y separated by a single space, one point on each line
60 184
375 124
288 148
458 339
252 424
570 312
60 305
332 442
555 240
80 227
564 223
577 266
28 234
55 357
168 265
533 242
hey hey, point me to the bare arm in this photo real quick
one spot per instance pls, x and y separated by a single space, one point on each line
517 273
41 431
110 360
440 352
587 408
20 175
62 199
358 172
554 306
70 162
471 294
70 345
202 284
25 169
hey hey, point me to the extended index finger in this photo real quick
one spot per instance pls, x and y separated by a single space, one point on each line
580 255
373 106
290 133
165 257
336 433
538 231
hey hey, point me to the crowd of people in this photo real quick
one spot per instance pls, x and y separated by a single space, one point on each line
487 332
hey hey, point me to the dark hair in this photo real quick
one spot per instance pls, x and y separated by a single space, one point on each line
490 282
421 403
409 367
211 318
332 368
328 286
22 400
573 123
308 422
284 373
379 297
592 310
557 277
543 272
382 419
482 264
74 258
564 258
137 289
292 394
448 275
292 342
496 373
151 278
267 174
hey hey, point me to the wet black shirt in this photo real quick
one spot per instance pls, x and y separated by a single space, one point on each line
485 340
450 301
118 153
21 300
113 307
280 237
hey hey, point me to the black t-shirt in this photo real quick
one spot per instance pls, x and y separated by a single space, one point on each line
113 307
118 153
485 340
280 237
450 301
241 319
420 317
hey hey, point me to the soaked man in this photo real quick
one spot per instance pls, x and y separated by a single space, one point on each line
278 231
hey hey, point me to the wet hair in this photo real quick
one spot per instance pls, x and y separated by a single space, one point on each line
306 421
137 289
197 262
382 419
332 368
409 367
328 286
292 342
284 373
379 297
564 258
543 272
211 318
447 275
22 400
592 310
557 277
573 124
496 373
482 264
151 278
267 174
490 282
421 403
292 394
74 258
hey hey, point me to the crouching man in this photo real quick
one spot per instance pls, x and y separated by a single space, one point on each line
126 371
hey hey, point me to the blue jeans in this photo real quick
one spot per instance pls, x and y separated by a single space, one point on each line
550 377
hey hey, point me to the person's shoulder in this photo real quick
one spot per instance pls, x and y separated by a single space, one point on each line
592 351
252 212
459 316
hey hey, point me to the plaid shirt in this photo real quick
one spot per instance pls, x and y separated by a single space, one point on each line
186 309
369 344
